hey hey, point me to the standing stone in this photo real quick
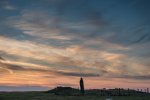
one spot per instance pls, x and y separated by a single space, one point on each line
82 86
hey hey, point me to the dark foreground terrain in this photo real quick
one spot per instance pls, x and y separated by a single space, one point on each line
48 96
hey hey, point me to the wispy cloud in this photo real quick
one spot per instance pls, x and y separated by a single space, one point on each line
7 5
51 40
136 77
85 60
39 24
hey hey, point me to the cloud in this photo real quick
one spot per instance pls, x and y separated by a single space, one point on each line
2 58
79 74
7 5
11 67
61 38
39 24
22 68
14 67
78 58
140 77
61 61
46 53
46 25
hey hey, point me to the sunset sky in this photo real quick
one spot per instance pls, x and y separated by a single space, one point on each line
49 43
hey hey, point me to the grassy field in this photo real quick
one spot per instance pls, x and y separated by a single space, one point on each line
47 96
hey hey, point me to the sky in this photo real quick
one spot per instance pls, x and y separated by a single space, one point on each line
49 43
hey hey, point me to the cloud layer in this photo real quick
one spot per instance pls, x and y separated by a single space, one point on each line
54 40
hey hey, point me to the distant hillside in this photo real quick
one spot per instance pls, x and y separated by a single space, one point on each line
101 92
64 91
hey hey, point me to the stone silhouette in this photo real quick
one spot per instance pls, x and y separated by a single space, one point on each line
82 86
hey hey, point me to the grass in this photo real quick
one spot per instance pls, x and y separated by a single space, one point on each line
47 96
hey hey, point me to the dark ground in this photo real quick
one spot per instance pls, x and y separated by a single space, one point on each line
48 96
